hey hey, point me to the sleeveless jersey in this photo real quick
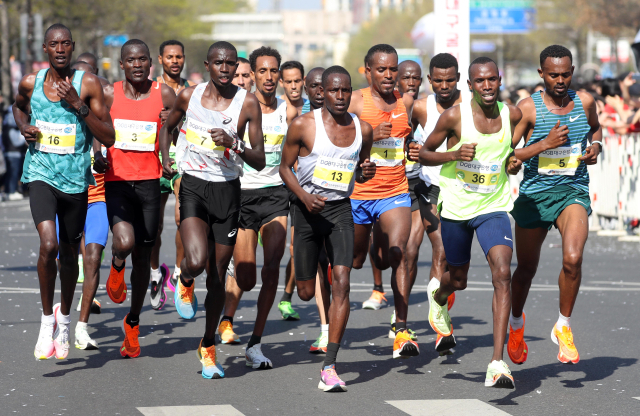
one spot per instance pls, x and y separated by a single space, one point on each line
470 189
274 130
431 174
60 156
186 84
560 166
196 153
388 154
96 193
329 170
306 107
412 169
134 156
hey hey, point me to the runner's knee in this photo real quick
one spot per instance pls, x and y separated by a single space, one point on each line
571 262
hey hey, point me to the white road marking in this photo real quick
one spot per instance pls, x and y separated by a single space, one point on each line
458 407
218 410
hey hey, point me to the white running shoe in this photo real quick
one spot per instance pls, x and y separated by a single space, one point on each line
61 334
256 359
83 340
44 347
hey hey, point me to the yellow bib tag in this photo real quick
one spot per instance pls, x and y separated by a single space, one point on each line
560 161
135 135
388 152
56 138
476 176
200 140
333 173
273 142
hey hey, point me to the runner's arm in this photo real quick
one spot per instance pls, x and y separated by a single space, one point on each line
590 156
290 151
98 120
557 137
178 110
366 168
447 126
22 108
254 157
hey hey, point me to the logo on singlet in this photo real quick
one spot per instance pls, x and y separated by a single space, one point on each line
460 174
571 119
227 120
396 115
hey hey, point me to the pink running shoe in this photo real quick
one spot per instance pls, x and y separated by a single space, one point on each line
44 347
60 335
329 380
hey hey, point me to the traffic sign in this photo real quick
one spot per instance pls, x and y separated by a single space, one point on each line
115 41
498 16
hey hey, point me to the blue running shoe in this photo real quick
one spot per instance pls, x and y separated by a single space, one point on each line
210 366
186 300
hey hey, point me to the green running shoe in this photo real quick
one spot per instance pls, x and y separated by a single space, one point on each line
288 314
320 345
260 239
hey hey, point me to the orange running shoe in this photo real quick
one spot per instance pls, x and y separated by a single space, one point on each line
210 366
404 346
227 336
516 347
375 301
568 353
130 346
451 300
116 287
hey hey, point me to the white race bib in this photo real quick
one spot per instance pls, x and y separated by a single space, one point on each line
477 176
56 138
560 161
200 140
388 152
135 135
333 173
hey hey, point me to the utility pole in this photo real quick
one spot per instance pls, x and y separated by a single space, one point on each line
5 72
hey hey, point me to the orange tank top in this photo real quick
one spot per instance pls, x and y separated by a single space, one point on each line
96 193
389 155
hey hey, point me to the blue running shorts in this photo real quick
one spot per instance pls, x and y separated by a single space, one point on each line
368 211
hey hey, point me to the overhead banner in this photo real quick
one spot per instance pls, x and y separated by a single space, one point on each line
452 33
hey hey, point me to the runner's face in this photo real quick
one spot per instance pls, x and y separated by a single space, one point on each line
313 87
266 75
556 74
59 46
292 82
172 60
485 83
444 83
136 63
83 66
337 94
384 72
222 66
242 77
410 79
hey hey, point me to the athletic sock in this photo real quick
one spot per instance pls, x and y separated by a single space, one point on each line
286 297
378 288
185 283
118 269
207 342
48 319
332 352
155 275
81 325
62 319
401 326
253 341
176 270
324 329
516 323
132 320
563 321
227 318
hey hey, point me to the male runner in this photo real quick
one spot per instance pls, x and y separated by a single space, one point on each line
292 80
332 149
556 125
265 201
171 59
210 154
57 110
475 197
385 199
132 180
89 59
242 77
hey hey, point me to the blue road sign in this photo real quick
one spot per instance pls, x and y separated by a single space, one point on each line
115 41
501 17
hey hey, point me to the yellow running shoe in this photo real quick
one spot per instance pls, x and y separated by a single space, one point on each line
227 336
568 353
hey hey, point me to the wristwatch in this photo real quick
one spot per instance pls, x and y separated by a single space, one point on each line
83 111
238 146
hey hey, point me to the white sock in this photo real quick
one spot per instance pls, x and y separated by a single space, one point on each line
176 270
156 275
563 321
79 258
81 325
516 323
62 319
324 328
48 319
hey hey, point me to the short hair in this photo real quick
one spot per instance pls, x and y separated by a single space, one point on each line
380 48
554 51
443 61
222 45
409 62
56 26
263 51
85 56
336 69
134 42
481 61
242 60
610 87
292 65
170 42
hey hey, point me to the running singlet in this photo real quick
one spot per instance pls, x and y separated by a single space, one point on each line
134 156
60 156
559 166
412 169
470 189
388 154
96 193
329 170
306 107
274 130
431 174
196 153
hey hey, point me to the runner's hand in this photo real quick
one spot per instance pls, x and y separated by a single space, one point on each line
30 133
557 137
100 163
414 150
221 138
513 165
314 203
167 168
368 169
164 114
466 152
383 131
591 155
68 93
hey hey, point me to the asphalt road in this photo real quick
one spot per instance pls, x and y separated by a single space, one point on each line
167 373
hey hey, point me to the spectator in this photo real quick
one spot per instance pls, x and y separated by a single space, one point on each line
616 111
15 148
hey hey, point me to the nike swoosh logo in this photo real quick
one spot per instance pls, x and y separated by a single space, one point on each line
426 199
396 115
577 200
571 119
507 238
400 202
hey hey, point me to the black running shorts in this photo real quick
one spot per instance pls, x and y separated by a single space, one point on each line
47 201
216 203
427 196
260 206
138 203
413 182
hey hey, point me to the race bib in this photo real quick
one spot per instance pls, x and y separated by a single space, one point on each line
135 135
200 140
273 142
388 152
56 138
93 159
476 176
560 161
333 173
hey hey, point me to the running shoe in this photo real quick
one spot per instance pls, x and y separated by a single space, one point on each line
130 346
451 300
392 331
404 347
320 345
60 335
79 307
227 336
172 283
499 375
158 295
375 301
329 380
260 239
210 366
440 321
516 347
116 287
96 307
256 359
567 353
44 346
83 340
80 270
287 312
186 300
